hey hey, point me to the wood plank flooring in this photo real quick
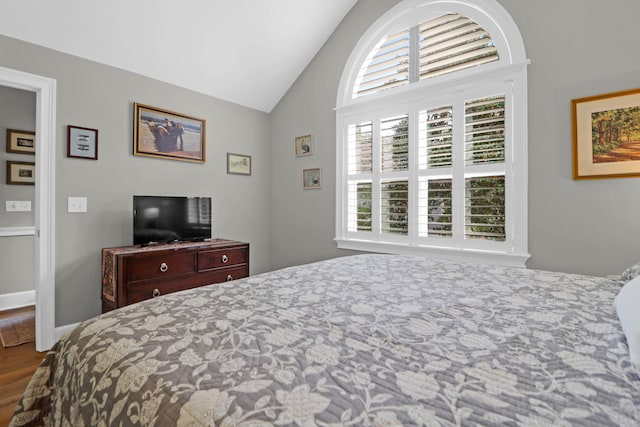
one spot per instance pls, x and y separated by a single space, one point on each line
17 365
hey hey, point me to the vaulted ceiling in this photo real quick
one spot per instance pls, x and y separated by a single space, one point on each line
247 52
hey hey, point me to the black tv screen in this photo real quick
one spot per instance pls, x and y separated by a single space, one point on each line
164 219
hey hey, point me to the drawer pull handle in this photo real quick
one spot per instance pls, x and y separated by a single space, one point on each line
164 267
156 293
229 278
225 259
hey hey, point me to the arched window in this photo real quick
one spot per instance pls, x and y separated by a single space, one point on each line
432 134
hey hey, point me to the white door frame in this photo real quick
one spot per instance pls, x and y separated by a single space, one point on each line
45 89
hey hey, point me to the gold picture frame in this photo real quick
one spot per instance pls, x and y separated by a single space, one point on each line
21 173
21 141
168 135
606 135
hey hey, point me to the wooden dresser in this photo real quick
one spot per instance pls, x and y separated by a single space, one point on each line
132 273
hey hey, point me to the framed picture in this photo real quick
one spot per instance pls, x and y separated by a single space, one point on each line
606 135
238 164
168 135
303 145
21 173
21 141
82 142
311 178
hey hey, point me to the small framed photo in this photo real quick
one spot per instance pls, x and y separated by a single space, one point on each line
168 135
21 173
82 143
238 164
606 135
311 178
303 145
21 141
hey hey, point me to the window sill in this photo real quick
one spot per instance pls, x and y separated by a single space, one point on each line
465 255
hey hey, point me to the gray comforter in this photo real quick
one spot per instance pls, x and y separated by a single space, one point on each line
365 340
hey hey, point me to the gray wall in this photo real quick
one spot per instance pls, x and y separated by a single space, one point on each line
576 226
100 97
17 111
587 227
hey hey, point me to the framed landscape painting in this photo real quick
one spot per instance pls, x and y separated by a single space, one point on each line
606 135
167 134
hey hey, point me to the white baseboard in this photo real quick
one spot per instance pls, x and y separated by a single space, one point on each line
61 330
17 300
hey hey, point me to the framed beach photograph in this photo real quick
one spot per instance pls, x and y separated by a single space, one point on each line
21 173
311 178
303 145
168 135
238 164
606 135
21 141
82 143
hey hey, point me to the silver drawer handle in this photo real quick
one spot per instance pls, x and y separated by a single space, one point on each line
229 278
164 267
156 293
225 258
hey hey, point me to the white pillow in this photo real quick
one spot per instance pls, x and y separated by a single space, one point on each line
628 308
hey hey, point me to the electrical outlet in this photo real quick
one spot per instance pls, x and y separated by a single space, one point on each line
76 204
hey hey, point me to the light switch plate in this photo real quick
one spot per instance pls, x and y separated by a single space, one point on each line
76 204
18 206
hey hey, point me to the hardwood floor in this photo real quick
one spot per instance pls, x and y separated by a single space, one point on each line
17 365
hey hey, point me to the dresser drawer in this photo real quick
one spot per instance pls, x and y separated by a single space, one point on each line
155 267
228 274
220 258
144 290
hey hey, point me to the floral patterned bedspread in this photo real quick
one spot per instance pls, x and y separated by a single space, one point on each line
374 340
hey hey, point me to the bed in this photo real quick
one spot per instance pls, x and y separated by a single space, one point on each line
377 340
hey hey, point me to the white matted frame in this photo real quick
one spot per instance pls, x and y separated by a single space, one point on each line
303 145
311 178
44 230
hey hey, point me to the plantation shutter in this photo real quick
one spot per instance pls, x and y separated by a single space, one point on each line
436 215
452 43
436 138
484 131
360 148
394 207
387 66
395 143
359 158
485 208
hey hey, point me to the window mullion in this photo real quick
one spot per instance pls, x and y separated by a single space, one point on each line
414 54
414 192
376 176
458 172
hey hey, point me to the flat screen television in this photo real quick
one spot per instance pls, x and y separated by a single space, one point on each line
164 219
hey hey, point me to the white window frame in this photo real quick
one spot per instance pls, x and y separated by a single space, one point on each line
506 76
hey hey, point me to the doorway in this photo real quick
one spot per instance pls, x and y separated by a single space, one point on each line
44 213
